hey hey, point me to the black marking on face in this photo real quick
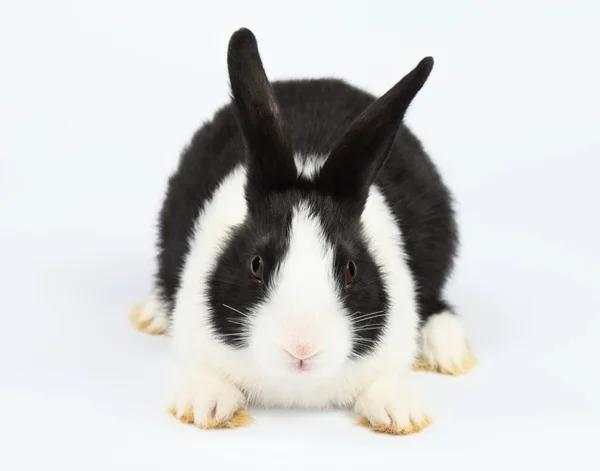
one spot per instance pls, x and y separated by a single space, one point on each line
234 290
365 299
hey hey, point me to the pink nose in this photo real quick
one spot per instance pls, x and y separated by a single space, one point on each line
301 351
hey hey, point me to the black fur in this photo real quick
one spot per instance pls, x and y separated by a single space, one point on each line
264 127
271 166
356 159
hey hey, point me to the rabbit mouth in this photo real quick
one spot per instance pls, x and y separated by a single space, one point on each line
302 366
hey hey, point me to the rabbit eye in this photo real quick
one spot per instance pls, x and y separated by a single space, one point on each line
350 274
257 267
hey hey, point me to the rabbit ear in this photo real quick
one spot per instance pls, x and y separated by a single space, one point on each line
271 161
359 154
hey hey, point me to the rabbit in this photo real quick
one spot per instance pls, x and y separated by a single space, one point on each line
303 246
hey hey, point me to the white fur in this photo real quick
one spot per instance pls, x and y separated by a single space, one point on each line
391 398
308 166
154 312
444 342
302 310
208 396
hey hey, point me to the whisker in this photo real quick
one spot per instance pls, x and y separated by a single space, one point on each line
358 339
236 310
236 321
376 324
368 320
370 314
367 316
364 329
368 323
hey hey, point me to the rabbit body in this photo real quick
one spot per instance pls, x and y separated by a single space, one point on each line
304 243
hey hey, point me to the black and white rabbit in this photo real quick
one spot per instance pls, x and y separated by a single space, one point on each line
304 244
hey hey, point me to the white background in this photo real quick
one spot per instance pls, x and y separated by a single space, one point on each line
98 98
